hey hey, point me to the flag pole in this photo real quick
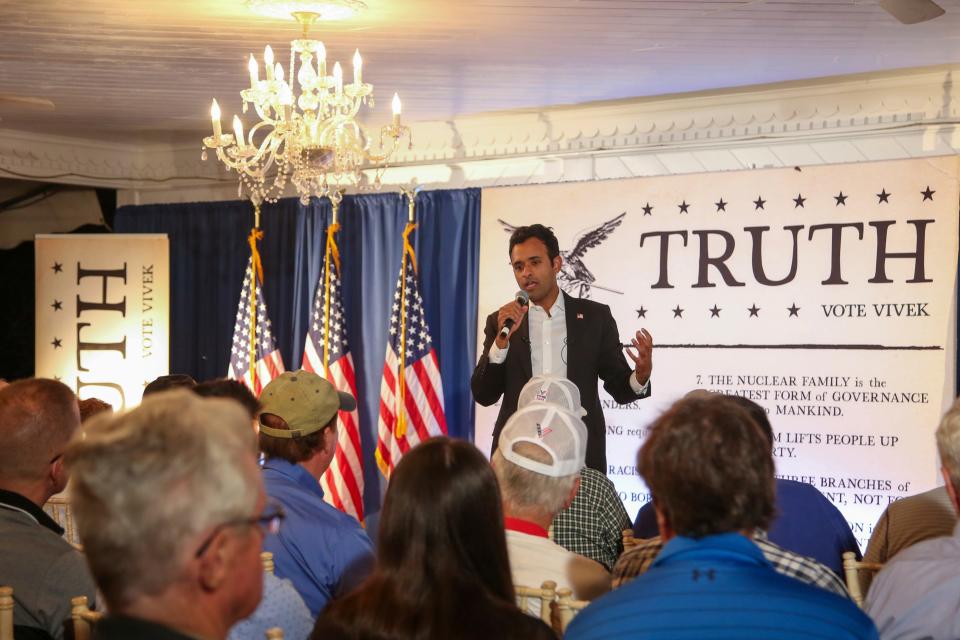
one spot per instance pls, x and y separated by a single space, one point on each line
331 250
256 269
407 250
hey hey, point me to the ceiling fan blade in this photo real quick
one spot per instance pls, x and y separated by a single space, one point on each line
27 102
912 11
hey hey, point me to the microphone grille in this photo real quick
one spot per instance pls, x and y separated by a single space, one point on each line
523 298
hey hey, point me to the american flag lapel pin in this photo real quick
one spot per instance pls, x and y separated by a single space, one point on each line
579 316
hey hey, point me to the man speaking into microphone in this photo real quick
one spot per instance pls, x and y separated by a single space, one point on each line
556 334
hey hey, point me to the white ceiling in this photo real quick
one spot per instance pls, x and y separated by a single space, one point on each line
142 71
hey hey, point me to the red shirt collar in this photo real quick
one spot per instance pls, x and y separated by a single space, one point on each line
525 526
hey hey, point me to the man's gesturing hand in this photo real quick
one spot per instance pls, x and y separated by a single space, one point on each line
510 311
643 361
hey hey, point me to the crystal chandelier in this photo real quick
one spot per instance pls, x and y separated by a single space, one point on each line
307 133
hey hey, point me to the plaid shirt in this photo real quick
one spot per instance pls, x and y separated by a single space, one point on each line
593 524
638 559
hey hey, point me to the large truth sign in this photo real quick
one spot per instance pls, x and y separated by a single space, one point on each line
825 294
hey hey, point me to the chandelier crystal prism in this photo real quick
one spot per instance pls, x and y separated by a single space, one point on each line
308 134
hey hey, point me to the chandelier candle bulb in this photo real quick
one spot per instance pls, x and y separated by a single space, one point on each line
254 71
278 72
322 61
357 67
215 118
238 131
337 78
268 61
396 108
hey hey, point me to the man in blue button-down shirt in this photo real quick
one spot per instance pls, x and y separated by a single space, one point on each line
323 551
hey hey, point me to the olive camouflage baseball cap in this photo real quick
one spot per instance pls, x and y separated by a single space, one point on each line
306 402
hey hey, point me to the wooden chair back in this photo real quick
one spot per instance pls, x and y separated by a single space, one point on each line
568 607
58 508
546 594
267 558
851 573
83 618
6 613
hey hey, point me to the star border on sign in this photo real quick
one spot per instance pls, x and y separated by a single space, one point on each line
883 197
647 209
721 205
677 312
798 201
841 199
793 309
715 311
57 305
927 194
57 342
683 206
758 203
641 312
58 266
754 310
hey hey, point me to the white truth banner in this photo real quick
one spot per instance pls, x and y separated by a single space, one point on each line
826 294
103 313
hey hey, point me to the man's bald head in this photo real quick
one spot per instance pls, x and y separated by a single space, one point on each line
37 419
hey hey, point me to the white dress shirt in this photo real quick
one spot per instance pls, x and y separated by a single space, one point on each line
548 343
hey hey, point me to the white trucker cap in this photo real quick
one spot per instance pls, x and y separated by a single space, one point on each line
553 390
559 432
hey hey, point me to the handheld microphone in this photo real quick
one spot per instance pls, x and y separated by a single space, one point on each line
522 299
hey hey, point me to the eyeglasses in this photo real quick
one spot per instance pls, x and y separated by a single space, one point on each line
268 523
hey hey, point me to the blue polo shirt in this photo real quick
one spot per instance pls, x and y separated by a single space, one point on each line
806 523
719 586
324 552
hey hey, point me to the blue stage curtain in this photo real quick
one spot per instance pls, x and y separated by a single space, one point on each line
208 255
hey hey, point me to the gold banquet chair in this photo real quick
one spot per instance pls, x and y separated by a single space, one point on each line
546 594
568 607
6 613
267 559
851 573
82 618
58 508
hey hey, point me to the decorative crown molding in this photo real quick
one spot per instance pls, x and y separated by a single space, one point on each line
877 116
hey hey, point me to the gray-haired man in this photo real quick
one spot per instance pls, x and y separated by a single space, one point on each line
172 513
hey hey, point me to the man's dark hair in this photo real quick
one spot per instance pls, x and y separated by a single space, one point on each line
542 233
233 389
172 381
709 468
293 450
758 413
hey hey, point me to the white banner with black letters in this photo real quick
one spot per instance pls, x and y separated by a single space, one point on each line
826 294
103 313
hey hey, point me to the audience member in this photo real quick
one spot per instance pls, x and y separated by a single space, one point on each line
593 524
442 569
91 407
168 499
169 382
538 463
709 468
37 419
233 389
323 551
915 594
905 523
806 522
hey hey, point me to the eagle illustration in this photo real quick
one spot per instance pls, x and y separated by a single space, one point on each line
574 275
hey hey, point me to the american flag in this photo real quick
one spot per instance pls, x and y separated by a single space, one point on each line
343 481
411 402
268 362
